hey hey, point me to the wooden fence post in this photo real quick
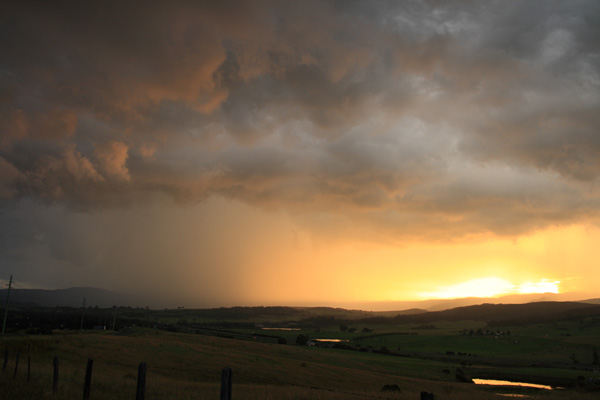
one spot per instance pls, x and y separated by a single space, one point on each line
5 358
16 365
226 383
88 380
55 376
28 369
141 383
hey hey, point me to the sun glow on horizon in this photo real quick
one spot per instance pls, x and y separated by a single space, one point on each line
543 286
492 287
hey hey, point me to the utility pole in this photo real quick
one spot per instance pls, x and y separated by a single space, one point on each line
115 319
6 305
82 311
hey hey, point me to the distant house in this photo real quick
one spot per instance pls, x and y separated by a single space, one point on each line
99 327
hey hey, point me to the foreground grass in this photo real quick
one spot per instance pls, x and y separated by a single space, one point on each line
182 366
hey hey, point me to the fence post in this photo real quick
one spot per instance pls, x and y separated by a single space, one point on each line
5 358
88 380
226 383
55 376
28 369
141 383
16 365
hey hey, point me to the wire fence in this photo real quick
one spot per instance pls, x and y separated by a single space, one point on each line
14 362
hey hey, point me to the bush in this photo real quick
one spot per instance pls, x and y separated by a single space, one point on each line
301 339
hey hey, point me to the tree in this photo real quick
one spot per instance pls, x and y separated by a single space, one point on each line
301 339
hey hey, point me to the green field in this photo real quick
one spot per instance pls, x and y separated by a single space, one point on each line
186 350
188 366
550 343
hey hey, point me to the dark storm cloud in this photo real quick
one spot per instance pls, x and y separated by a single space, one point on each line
424 118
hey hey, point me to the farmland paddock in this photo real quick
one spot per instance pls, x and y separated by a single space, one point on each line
184 366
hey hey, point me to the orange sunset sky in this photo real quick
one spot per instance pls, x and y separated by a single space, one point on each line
337 153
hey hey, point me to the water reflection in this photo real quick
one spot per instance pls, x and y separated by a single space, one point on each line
509 383
280 329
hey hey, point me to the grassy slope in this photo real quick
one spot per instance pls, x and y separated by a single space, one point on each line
190 367
184 366
551 343
557 352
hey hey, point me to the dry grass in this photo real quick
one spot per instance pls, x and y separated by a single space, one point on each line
189 366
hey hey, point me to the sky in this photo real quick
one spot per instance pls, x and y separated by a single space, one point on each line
219 153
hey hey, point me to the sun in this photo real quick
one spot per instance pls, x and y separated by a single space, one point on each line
543 286
491 287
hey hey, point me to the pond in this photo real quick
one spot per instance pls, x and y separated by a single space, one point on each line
280 329
495 382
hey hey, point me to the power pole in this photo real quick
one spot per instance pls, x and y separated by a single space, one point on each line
6 305
115 319
82 311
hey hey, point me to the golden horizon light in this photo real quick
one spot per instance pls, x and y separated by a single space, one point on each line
491 287
214 154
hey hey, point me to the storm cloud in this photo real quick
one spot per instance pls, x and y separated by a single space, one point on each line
419 119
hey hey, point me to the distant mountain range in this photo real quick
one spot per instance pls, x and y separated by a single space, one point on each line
512 314
73 297
445 304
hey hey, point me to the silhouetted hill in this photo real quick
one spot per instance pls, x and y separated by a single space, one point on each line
490 313
72 297
446 304
591 301
410 311
508 313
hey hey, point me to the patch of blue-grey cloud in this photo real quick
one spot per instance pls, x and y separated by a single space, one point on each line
395 114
